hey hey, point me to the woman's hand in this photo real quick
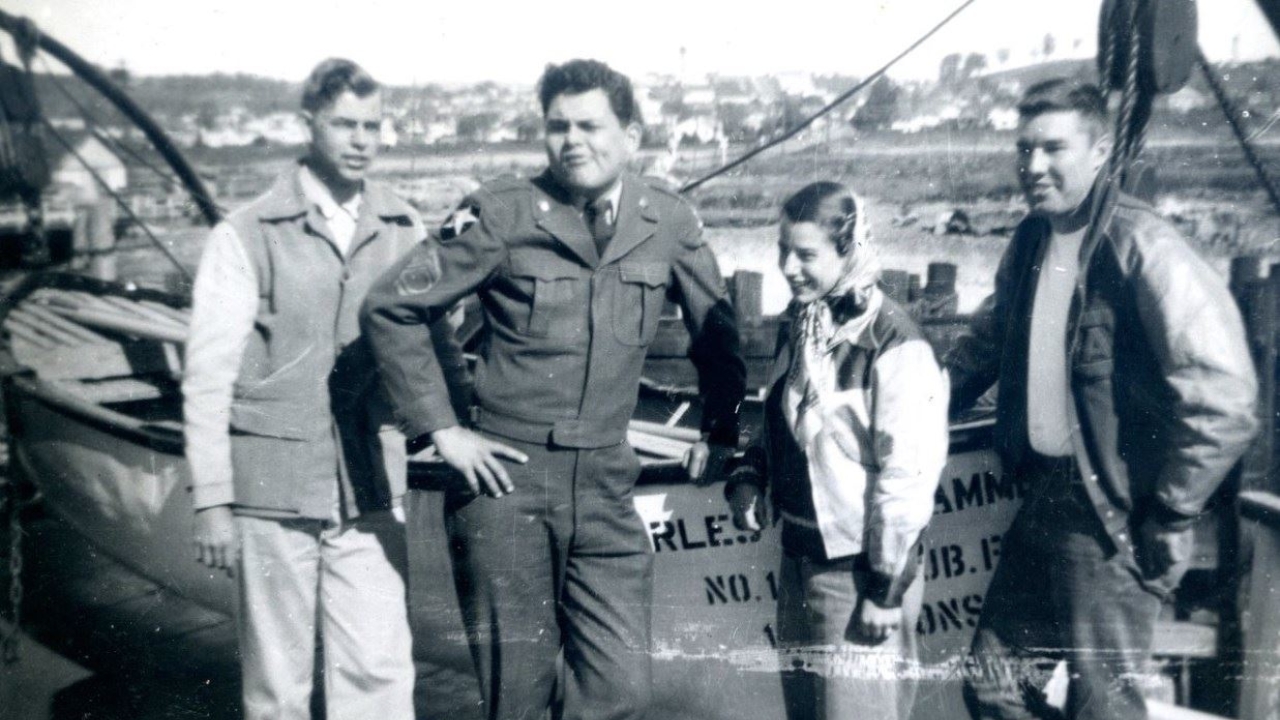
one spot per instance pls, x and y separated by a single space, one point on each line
873 624
747 503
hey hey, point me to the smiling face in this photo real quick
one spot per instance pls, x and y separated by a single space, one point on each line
809 260
344 138
1059 155
588 148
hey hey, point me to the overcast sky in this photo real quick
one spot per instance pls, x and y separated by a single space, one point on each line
417 41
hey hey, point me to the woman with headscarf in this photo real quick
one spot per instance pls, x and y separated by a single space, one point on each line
853 445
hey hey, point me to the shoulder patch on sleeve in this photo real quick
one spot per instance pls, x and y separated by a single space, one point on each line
459 221
421 272
687 221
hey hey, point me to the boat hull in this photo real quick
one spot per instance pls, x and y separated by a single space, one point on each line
126 493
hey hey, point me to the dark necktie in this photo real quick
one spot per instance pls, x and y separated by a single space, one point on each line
598 221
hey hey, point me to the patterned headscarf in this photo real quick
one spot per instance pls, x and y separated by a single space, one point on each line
853 300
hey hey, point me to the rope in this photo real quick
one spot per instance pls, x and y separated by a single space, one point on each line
119 200
843 97
1122 151
1108 50
1233 119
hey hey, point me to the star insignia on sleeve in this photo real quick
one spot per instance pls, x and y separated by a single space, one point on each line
459 221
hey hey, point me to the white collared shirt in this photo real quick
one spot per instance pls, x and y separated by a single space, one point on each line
340 217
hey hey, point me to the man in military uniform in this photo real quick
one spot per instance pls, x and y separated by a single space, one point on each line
572 268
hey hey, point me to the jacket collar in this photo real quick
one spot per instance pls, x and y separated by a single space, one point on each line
635 219
287 200
854 329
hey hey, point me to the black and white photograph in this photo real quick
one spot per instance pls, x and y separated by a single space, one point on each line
807 360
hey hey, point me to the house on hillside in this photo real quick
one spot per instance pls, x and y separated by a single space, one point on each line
1186 100
71 176
1002 118
279 128
388 135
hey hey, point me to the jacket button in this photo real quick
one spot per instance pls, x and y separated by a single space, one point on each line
1123 537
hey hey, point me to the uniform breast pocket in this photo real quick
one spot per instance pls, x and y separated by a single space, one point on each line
550 293
638 300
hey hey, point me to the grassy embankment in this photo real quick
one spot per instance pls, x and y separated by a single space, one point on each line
1205 187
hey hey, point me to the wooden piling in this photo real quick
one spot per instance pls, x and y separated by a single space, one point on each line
94 239
1250 618
746 290
897 285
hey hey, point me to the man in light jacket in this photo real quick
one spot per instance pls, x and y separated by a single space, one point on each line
295 460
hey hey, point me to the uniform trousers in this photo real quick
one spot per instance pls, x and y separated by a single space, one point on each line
1063 591
561 563
350 577
847 677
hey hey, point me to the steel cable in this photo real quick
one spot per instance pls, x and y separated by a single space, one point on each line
840 100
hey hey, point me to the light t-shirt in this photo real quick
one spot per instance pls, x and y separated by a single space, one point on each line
1051 417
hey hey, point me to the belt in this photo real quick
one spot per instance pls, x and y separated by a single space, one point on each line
580 433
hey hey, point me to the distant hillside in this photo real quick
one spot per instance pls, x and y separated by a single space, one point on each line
1032 74
184 102
170 96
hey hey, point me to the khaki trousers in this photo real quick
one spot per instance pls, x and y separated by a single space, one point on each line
349 577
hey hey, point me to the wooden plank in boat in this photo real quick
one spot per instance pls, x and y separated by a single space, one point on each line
30 335
144 313
181 316
92 362
116 321
54 331
42 312
114 390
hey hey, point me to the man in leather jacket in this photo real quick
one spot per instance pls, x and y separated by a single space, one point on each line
1126 395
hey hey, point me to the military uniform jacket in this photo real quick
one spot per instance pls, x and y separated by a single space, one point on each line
566 331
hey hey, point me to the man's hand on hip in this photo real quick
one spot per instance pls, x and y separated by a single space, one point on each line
478 458
214 536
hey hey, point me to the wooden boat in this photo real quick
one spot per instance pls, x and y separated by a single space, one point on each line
91 372
90 377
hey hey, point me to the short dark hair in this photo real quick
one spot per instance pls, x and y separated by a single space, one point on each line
829 205
331 78
579 76
1065 95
